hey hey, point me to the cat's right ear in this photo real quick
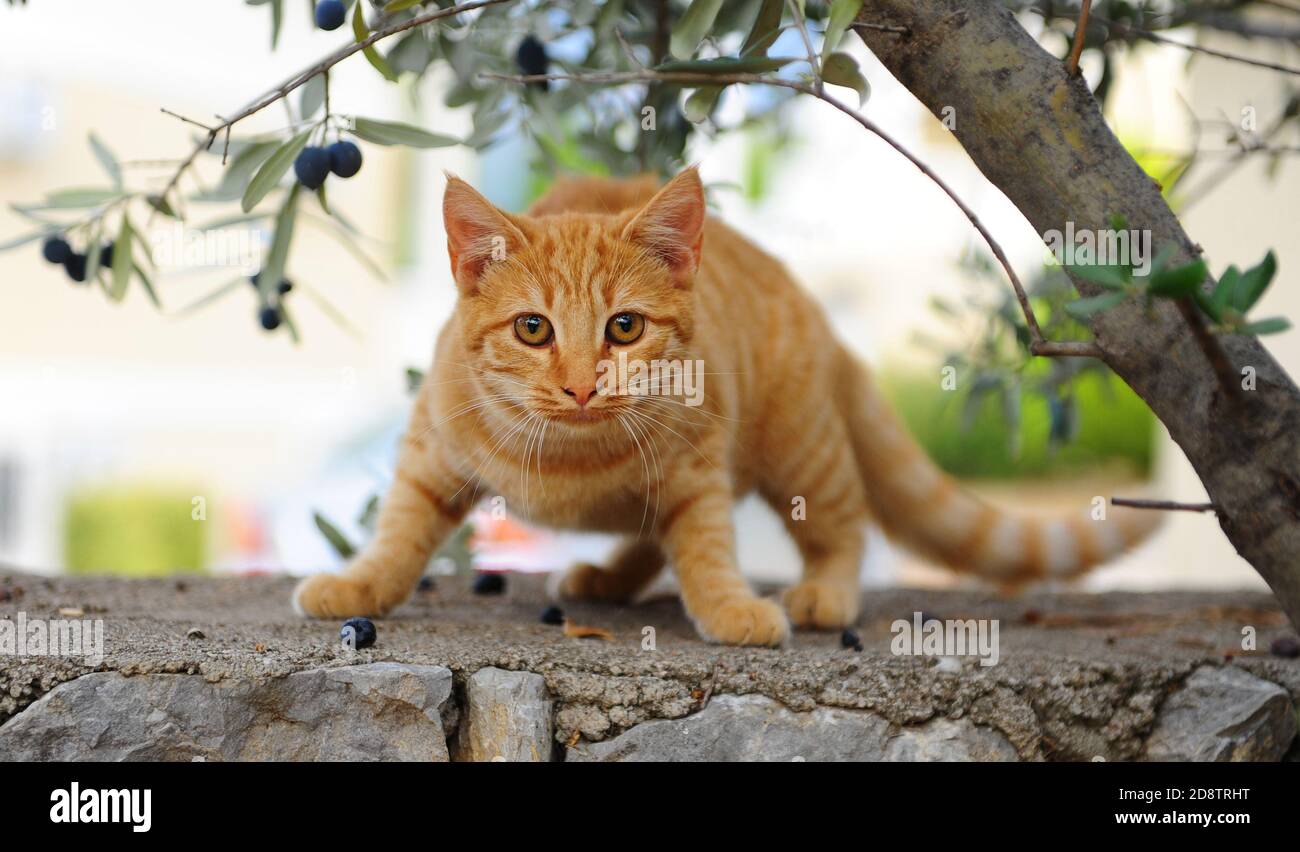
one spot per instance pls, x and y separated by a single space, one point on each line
478 234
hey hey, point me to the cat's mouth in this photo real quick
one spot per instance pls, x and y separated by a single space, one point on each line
582 415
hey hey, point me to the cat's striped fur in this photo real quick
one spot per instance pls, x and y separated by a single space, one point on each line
787 412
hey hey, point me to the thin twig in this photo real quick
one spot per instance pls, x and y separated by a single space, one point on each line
802 26
1165 505
708 690
1281 4
1065 348
627 48
225 150
1039 345
1229 380
1124 30
1209 343
1080 33
884 28
151 163
186 119
1248 146
1235 23
284 89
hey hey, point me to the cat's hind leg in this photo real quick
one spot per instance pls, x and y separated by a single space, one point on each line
815 486
827 596
633 566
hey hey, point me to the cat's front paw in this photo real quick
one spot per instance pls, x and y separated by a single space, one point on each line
334 596
744 621
821 605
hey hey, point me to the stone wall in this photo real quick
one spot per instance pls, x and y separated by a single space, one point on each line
396 711
214 670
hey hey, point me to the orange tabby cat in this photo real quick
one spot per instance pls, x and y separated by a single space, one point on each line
600 269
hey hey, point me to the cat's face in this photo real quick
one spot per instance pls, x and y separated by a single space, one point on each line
549 304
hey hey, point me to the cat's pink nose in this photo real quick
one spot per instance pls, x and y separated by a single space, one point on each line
581 394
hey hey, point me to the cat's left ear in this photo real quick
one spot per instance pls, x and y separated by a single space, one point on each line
478 234
671 225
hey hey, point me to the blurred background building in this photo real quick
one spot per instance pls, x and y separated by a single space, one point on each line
139 441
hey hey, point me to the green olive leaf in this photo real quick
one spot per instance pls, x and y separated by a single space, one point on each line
311 97
273 169
336 539
1179 282
396 133
699 106
362 32
273 268
837 23
692 27
1082 309
122 263
107 160
1273 325
840 69
767 26
726 65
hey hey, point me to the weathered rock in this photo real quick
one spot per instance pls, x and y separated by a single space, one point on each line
1224 714
378 711
507 716
949 740
754 728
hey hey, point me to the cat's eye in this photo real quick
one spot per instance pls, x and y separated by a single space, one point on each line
533 329
625 328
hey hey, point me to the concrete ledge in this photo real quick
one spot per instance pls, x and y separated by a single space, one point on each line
222 670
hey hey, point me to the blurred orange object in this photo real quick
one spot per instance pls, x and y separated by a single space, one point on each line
501 543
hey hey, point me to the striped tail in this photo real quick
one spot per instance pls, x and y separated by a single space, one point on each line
923 508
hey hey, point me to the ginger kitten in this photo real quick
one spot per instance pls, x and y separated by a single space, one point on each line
600 271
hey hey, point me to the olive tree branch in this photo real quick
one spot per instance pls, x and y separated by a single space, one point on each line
284 89
1038 344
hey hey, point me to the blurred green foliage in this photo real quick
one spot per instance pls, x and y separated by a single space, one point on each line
1113 426
1010 414
137 532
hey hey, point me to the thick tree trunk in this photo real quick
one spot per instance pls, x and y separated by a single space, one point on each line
1039 136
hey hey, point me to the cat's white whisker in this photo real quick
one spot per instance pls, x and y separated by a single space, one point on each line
494 447
658 477
645 472
689 442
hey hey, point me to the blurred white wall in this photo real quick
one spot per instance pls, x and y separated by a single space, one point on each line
103 393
